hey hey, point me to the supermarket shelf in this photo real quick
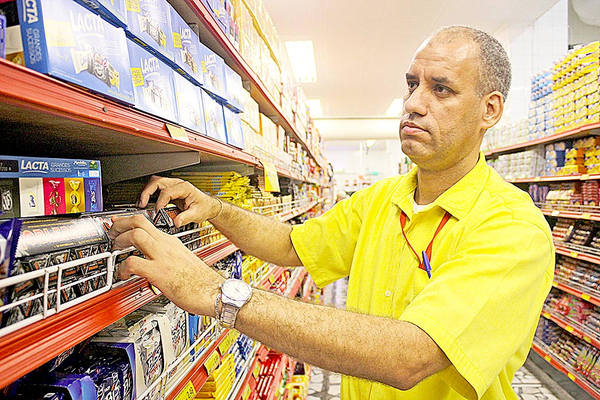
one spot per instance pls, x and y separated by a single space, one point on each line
64 120
297 211
572 214
308 292
248 375
28 348
575 377
273 277
278 377
558 178
297 283
576 254
571 327
592 298
213 36
570 134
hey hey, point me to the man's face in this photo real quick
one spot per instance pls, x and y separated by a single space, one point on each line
441 124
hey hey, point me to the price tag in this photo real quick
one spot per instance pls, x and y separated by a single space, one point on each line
546 315
584 176
554 284
247 393
187 393
555 213
256 370
212 362
271 178
272 279
571 376
200 346
178 133
574 254
228 342
569 328
587 339
585 296
547 358
537 179
586 215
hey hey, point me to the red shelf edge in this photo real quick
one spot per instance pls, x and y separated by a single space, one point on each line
556 178
249 376
570 214
578 255
576 328
297 283
308 293
575 292
547 139
278 376
581 382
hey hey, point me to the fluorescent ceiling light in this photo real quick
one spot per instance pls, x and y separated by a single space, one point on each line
314 107
302 58
395 109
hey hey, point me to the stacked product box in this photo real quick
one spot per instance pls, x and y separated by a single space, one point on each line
576 95
555 157
234 89
111 10
233 128
213 118
152 82
213 70
190 110
541 121
149 24
70 42
524 164
32 186
186 49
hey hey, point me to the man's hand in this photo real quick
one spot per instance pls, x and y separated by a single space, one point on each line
169 265
196 205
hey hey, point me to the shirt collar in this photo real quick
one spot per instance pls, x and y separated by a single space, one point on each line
457 200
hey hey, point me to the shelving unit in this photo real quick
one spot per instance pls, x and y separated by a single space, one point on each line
571 327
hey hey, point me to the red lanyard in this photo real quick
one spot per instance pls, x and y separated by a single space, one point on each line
422 266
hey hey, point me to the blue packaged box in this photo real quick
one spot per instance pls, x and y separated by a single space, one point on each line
233 128
186 49
112 10
213 118
189 104
233 86
31 186
2 36
213 72
66 40
152 83
148 23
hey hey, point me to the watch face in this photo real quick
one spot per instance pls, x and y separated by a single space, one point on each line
236 289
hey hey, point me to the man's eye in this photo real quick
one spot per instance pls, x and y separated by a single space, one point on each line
412 85
441 89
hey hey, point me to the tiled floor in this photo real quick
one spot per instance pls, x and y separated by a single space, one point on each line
325 385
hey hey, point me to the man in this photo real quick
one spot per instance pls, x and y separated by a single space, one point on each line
449 318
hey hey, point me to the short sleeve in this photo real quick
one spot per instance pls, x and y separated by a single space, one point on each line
482 304
326 244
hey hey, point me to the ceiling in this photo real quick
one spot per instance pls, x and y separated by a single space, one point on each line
362 48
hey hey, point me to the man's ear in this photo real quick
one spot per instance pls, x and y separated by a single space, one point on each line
492 109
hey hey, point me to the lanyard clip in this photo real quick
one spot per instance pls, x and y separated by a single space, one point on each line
426 264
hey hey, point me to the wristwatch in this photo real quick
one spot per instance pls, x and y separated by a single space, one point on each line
234 294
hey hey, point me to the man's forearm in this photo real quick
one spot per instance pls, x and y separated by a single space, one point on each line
381 349
258 235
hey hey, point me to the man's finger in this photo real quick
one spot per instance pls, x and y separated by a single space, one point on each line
180 190
138 238
155 183
186 217
134 265
123 224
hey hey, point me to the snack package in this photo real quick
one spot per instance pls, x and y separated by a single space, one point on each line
148 22
234 90
186 49
189 104
213 70
68 41
213 118
233 128
111 10
152 82
2 36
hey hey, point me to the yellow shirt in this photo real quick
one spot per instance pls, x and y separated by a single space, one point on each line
492 267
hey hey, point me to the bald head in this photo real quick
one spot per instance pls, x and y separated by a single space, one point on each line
494 65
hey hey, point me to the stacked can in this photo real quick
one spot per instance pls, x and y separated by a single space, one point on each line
541 121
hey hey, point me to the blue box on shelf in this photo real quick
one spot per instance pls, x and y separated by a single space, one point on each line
2 36
148 23
233 85
152 83
213 72
112 10
233 128
186 49
66 40
189 104
213 118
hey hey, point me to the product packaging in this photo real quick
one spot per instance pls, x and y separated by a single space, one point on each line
233 128
112 10
234 88
152 83
189 104
213 71
119 360
186 49
32 186
148 22
2 36
66 40
213 118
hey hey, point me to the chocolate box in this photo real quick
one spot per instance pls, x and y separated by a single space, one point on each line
213 72
112 10
233 85
149 24
213 118
233 128
189 104
68 41
186 49
152 83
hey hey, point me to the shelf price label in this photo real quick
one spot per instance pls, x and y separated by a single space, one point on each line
546 315
228 342
586 215
256 371
584 177
247 393
554 284
574 254
187 393
587 339
585 296
571 376
569 328
271 178
178 133
555 213
537 179
212 362
547 358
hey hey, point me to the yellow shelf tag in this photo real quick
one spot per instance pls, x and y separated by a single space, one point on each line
546 315
586 215
574 254
554 284
271 178
585 296
571 376
212 362
187 393
555 213
247 393
537 179
228 342
587 339
272 279
547 358
569 328
256 371
584 176
178 133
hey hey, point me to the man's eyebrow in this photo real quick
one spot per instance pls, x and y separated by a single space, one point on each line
410 76
440 79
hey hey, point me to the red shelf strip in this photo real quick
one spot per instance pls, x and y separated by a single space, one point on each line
576 254
571 214
576 292
571 327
